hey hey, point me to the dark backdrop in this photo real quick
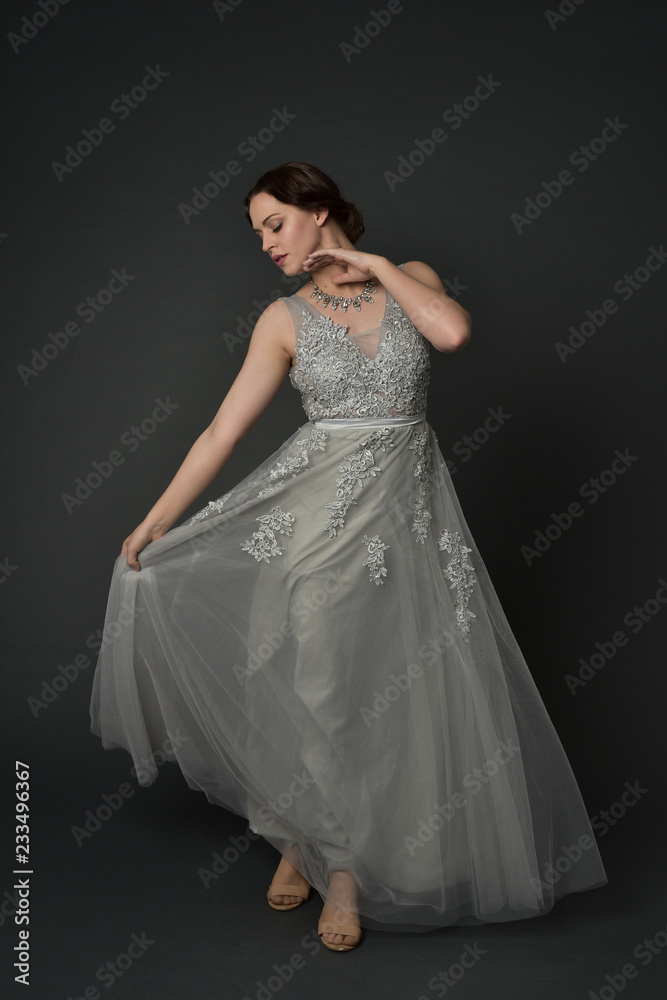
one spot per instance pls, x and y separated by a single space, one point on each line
540 203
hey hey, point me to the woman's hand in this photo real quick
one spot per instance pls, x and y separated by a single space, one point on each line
138 540
358 266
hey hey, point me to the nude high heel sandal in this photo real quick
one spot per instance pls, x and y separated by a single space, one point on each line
328 927
275 889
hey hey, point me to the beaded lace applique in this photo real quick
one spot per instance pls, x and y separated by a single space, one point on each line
212 507
354 469
263 543
316 441
422 470
375 560
460 572
336 379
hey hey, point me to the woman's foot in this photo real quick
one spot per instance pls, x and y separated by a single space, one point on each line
340 909
286 876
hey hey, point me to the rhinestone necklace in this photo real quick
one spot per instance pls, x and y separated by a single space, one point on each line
342 300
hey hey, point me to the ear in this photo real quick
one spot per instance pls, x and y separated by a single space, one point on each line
321 215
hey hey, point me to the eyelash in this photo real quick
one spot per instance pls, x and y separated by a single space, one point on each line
277 229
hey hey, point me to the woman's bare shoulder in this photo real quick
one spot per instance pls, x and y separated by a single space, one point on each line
275 317
276 326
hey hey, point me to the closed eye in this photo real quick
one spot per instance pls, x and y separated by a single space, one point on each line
277 229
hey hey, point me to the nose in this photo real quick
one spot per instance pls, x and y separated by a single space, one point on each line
267 241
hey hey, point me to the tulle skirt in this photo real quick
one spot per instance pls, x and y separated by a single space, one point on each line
324 653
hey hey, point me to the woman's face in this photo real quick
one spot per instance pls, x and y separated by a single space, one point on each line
288 233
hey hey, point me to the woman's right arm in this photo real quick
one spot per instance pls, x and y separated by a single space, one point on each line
266 364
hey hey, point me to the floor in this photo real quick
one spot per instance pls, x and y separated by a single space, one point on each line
159 901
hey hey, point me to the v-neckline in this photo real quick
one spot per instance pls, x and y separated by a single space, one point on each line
340 326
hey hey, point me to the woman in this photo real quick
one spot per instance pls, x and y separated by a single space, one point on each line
325 637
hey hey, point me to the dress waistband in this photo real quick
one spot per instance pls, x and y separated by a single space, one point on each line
368 421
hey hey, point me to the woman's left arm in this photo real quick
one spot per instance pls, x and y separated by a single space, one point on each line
420 293
417 289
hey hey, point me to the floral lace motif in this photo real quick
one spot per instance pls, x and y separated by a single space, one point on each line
354 469
336 379
422 470
263 543
316 441
213 507
375 560
460 572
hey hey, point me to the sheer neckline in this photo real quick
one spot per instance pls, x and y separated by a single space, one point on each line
331 316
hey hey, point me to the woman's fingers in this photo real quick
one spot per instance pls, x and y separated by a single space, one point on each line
327 256
358 264
132 560
131 550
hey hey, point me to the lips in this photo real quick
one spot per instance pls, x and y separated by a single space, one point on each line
279 258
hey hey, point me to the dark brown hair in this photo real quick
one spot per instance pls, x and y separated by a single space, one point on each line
306 186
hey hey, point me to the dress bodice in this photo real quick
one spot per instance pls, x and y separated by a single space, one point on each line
338 376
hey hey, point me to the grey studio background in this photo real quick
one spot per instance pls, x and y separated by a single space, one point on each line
518 150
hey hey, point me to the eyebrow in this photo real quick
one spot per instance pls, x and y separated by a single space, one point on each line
266 220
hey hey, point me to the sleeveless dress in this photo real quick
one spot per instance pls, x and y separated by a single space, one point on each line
322 652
